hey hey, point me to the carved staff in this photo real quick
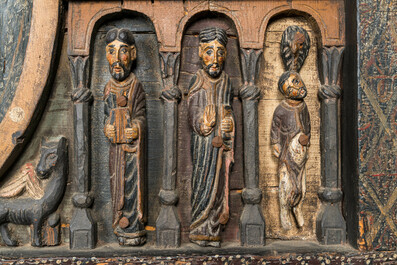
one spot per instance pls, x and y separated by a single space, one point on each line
252 223
82 228
331 226
167 224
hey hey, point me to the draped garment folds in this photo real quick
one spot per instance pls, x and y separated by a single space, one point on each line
126 157
211 165
289 122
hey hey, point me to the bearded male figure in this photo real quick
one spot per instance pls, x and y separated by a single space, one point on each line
212 143
125 123
290 136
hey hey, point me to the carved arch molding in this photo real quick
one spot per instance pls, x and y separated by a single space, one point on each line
171 27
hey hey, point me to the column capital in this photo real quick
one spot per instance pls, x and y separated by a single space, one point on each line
79 69
250 68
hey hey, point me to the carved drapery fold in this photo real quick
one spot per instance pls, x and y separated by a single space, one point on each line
82 228
167 223
252 224
331 226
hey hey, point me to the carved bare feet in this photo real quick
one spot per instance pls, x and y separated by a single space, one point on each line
285 218
298 215
137 241
205 243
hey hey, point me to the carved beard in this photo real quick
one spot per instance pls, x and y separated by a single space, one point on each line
212 73
302 92
120 76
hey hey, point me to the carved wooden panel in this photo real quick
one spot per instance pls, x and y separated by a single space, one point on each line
190 63
269 182
147 69
167 44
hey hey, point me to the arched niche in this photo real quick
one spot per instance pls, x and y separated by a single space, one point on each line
147 69
190 63
271 70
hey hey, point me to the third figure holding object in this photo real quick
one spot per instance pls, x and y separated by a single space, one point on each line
290 137
213 128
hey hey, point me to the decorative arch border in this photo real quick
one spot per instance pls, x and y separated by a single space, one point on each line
299 10
96 20
185 21
169 29
35 78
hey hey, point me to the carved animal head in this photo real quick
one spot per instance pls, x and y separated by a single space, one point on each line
51 153
295 45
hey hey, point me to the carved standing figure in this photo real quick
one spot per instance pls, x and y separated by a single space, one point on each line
212 143
290 137
125 126
290 133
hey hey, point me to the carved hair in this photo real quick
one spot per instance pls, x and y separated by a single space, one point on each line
210 34
292 37
123 35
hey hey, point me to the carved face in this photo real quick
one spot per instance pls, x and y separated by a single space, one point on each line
120 57
294 88
297 43
213 55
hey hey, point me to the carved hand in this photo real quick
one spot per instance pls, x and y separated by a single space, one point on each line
276 150
209 117
205 130
110 131
132 133
227 125
304 139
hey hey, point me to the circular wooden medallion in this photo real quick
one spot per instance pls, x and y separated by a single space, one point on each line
124 223
122 101
217 141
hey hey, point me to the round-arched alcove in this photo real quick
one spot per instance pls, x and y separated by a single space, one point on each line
271 70
147 70
190 64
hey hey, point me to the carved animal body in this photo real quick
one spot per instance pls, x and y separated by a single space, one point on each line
24 211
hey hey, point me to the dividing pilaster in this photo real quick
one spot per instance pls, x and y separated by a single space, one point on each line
167 224
82 227
331 226
252 223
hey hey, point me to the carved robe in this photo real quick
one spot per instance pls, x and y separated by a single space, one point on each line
127 158
211 164
289 122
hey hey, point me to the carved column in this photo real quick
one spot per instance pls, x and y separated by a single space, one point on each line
331 226
167 224
82 228
252 224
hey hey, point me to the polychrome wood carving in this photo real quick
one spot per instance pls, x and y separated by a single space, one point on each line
38 206
198 154
125 128
290 133
211 119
